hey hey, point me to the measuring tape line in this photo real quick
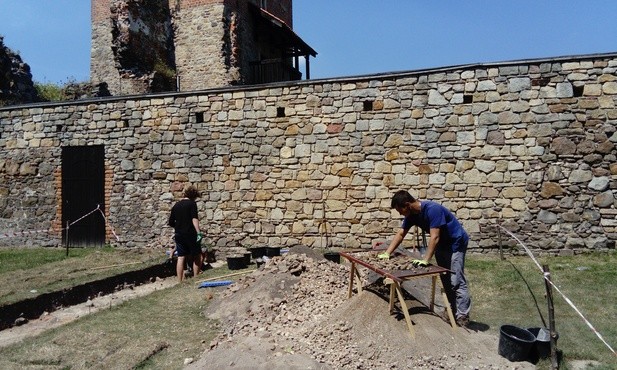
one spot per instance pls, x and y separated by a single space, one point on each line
546 277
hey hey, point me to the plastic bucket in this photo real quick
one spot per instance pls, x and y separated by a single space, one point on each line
273 251
515 343
236 262
333 256
542 346
258 252
247 258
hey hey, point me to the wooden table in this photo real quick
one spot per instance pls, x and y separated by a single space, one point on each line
395 278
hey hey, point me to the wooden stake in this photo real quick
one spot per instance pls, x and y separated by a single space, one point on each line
500 244
119 264
551 317
66 238
225 276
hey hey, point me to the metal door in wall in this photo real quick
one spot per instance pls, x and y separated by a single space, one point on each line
83 190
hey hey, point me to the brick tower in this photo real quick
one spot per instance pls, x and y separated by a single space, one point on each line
141 46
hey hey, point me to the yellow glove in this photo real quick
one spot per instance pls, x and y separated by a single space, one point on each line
417 263
384 256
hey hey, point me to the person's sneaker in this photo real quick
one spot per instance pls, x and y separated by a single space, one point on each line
462 321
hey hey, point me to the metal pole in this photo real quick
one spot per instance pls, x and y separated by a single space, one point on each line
551 317
66 238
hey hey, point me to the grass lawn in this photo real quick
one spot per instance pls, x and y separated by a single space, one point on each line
32 271
161 330
513 291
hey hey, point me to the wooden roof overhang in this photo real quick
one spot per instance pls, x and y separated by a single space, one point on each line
282 36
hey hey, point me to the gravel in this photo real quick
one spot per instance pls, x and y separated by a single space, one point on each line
294 313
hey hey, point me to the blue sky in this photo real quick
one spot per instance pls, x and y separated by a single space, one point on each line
353 37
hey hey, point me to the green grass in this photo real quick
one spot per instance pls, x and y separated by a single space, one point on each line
160 330
513 292
25 273
49 91
24 259
157 331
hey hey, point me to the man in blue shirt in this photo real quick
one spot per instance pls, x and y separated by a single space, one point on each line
447 242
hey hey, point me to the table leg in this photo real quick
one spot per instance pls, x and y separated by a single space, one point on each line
405 309
359 281
392 293
432 305
447 304
395 287
352 273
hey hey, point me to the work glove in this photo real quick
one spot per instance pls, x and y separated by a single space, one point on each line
384 256
418 263
200 236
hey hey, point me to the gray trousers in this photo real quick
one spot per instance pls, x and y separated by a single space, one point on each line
455 283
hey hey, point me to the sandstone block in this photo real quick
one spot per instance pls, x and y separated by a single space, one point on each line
551 189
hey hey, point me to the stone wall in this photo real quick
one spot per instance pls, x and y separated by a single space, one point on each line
201 35
102 60
132 46
528 144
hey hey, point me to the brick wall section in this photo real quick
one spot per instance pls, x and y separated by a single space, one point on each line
109 181
528 144
56 223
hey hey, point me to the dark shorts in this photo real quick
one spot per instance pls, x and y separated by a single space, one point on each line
186 247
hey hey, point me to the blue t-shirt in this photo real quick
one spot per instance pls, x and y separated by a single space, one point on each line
433 215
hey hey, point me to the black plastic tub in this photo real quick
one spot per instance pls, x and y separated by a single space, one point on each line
333 256
247 258
257 252
236 262
542 346
273 251
515 343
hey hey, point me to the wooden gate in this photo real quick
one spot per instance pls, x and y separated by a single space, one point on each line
83 190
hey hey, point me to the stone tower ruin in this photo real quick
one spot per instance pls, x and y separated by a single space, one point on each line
143 46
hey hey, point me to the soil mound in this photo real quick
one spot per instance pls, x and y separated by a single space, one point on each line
294 313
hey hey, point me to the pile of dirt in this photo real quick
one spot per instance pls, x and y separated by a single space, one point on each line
294 313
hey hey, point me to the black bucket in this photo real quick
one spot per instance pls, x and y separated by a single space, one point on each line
542 346
236 262
273 251
257 252
247 258
333 256
515 343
